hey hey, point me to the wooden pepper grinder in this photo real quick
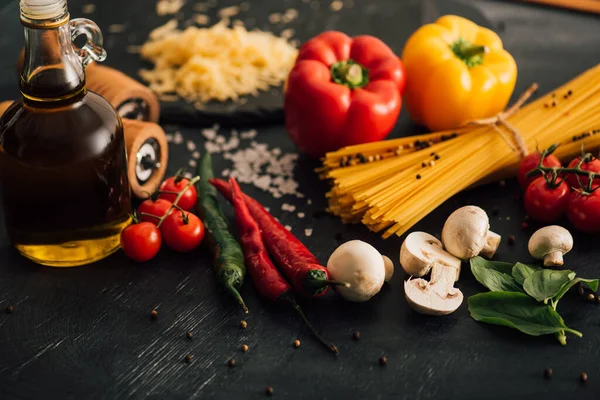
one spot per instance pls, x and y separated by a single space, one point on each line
130 98
147 150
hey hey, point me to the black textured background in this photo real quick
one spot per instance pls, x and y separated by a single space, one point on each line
86 332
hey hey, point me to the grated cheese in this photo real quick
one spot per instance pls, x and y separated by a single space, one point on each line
168 7
217 63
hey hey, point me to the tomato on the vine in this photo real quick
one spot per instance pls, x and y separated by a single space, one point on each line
529 163
182 231
593 166
177 184
141 242
584 211
157 207
544 203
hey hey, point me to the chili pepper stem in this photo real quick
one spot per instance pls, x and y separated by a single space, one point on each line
311 328
192 182
233 291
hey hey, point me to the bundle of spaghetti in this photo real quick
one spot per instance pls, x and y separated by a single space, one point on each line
391 185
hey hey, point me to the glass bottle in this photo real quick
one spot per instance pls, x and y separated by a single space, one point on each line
63 164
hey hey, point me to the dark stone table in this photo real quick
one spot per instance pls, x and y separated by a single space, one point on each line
86 333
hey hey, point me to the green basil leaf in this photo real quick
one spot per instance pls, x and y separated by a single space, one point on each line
501 266
486 273
522 271
591 283
545 284
518 311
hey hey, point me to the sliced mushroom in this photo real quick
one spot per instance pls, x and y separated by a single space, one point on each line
550 244
421 253
466 234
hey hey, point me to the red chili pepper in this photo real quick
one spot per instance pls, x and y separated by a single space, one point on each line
297 263
342 91
269 283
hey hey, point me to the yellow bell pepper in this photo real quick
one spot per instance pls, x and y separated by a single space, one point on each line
456 72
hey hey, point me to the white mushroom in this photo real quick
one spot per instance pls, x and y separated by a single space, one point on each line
421 253
466 234
359 264
389 268
550 244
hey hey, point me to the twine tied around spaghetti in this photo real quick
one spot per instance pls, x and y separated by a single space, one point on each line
500 121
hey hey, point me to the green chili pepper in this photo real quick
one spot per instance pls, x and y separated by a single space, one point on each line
228 257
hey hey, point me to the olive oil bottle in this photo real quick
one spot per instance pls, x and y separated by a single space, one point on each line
63 164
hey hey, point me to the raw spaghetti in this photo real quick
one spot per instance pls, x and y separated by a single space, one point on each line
391 185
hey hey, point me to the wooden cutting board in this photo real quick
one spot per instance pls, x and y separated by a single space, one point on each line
592 6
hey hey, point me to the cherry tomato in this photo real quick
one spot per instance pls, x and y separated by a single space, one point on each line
141 242
584 211
182 232
545 204
592 166
529 163
187 201
158 208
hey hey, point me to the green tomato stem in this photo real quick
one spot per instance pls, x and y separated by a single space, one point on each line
191 183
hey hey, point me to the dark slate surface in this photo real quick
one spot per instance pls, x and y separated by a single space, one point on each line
87 333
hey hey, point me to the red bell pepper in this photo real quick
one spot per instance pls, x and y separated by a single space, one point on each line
342 91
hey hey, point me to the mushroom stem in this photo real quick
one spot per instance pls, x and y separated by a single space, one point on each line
442 279
553 259
492 241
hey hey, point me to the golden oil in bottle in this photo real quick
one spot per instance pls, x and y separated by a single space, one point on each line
63 164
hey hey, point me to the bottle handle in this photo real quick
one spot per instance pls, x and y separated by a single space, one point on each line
92 50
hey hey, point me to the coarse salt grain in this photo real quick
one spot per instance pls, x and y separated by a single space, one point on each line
289 228
209 133
308 232
196 155
225 172
178 138
191 146
187 175
301 215
169 137
251 134
192 163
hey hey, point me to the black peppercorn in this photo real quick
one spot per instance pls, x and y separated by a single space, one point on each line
269 391
511 240
231 363
580 291
154 314
383 360
583 376
356 335
10 309
189 358
548 373
189 335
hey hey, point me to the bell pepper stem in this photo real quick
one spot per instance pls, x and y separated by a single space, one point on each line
470 53
349 73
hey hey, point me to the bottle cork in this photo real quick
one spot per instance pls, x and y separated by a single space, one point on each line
130 98
147 152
